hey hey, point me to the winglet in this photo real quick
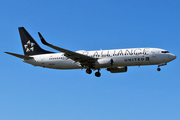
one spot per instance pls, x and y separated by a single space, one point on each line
42 39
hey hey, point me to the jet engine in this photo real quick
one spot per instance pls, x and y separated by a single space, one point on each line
104 63
117 69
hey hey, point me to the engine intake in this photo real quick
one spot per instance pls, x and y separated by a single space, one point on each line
117 69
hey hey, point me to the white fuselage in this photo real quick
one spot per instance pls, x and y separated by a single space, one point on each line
121 57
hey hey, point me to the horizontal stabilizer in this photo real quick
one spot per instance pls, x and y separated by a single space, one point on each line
19 56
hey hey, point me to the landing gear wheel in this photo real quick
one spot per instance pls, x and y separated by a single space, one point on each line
158 69
97 74
88 71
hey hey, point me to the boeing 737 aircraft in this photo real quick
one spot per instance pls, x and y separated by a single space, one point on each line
115 61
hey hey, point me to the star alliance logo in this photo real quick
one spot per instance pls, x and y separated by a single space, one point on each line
29 46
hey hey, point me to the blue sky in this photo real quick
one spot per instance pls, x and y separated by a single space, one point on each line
34 93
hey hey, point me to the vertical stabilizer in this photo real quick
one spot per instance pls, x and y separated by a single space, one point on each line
29 45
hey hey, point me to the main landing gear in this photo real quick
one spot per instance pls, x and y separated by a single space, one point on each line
98 74
89 71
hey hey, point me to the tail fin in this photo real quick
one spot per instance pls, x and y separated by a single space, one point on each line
29 45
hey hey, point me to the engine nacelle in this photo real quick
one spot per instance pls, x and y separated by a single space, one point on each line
117 69
104 63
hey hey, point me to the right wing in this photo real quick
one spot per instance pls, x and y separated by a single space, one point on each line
77 57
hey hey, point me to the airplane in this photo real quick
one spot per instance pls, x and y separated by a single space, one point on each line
114 61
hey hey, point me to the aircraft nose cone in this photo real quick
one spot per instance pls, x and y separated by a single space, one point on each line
172 57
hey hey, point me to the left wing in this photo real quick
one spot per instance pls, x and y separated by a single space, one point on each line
77 57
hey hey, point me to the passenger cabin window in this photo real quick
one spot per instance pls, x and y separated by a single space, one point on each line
164 51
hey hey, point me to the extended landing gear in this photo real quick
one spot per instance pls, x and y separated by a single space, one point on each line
88 71
158 69
162 64
98 74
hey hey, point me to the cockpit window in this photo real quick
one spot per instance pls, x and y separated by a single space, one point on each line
164 51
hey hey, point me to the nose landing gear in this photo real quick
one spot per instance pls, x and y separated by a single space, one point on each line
158 69
162 64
